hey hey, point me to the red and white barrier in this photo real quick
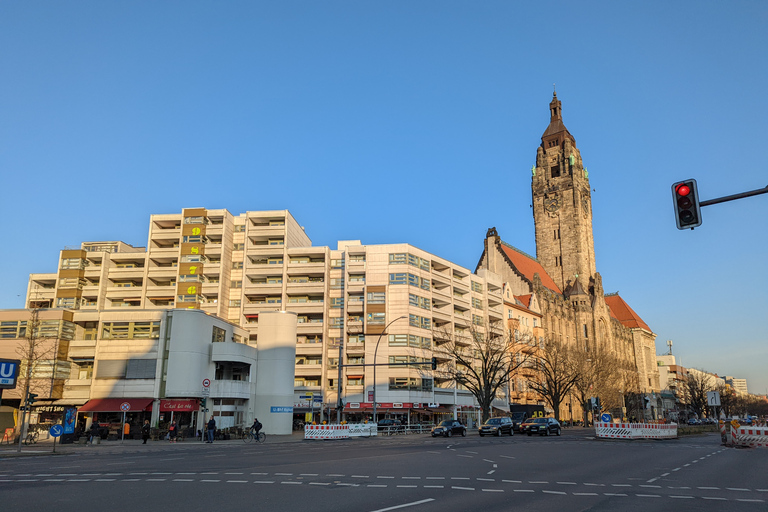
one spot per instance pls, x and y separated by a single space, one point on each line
636 430
756 437
326 431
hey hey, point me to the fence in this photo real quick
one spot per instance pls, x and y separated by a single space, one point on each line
636 430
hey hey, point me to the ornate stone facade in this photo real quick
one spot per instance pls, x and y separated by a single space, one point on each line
563 276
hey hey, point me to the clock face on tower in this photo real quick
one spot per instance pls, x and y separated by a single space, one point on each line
551 204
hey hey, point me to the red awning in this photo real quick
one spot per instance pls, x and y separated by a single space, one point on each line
115 405
187 404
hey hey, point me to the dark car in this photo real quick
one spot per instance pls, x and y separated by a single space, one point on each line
390 424
497 427
448 428
541 426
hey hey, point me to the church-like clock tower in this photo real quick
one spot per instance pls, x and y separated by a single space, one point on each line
562 206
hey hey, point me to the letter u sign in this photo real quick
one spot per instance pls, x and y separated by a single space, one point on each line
9 370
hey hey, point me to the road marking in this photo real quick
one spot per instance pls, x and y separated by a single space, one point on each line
130 479
434 486
736 489
494 490
78 480
676 469
653 479
183 480
630 485
333 474
751 501
53 480
712 498
681 487
459 478
686 497
506 456
613 494
411 477
475 453
486 479
523 490
276 474
214 481
357 476
434 478
156 473
376 485
300 474
709 488
156 479
467 456
186 473
686 465
651 486
407 486
291 483
594 485
537 482
404 505
585 494
385 477
105 480
175 458
513 481
203 473
491 472
462 488
566 483
665 474
647 495
486 460
319 483
341 484
553 492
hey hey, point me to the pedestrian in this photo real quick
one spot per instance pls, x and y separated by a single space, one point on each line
94 432
145 431
211 429
173 431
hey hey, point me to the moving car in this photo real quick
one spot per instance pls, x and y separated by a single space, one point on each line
448 428
497 427
541 426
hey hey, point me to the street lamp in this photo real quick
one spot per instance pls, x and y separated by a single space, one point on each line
374 362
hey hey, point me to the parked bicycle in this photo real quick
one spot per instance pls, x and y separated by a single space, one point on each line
250 436
32 438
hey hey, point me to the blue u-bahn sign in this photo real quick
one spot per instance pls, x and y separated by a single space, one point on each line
9 373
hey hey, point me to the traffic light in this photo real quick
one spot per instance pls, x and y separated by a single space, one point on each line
202 403
434 363
686 203
31 398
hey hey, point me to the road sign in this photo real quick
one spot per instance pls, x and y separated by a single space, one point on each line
125 407
606 418
206 383
306 397
206 391
713 398
9 373
56 430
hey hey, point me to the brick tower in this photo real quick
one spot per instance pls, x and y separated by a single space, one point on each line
562 206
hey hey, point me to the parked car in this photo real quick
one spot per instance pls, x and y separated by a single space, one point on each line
497 427
390 424
541 426
448 428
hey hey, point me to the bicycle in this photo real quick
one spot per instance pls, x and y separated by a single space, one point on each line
32 438
250 436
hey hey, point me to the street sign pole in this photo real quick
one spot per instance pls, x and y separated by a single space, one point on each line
123 428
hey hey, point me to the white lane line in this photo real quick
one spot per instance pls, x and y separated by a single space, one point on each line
407 486
44 474
186 473
686 465
566 483
713 498
677 469
333 474
585 494
594 485
411 477
276 474
389 477
751 501
183 479
513 481
319 483
291 483
158 473
537 482
486 479
105 480
376 485
459 478
681 487
630 485
78 480
357 476
467 456
53 480
506 456
300 474
130 479
434 478
203 473
685 497
761 490
474 453
491 472
665 474
156 479
709 488
648 495
486 460
420 502
434 487
736 489
654 479
651 486
214 481
462 488
553 492
340 484
494 490
613 494
523 490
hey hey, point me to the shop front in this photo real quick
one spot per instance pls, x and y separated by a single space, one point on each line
181 410
408 413
108 413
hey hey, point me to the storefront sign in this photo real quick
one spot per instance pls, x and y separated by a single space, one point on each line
286 408
178 405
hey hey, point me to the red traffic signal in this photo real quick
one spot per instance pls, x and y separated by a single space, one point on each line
686 204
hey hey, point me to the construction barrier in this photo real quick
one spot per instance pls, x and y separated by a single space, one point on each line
756 437
362 429
326 432
636 430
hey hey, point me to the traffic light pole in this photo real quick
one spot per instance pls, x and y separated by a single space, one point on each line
734 196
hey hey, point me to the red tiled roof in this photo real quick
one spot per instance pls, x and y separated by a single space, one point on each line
527 266
621 311
525 299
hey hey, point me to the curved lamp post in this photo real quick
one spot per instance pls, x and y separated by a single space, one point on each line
374 363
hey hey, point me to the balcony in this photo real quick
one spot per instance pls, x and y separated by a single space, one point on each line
82 349
232 388
233 352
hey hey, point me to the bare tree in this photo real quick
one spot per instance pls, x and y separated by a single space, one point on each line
555 375
599 374
697 384
483 361
35 351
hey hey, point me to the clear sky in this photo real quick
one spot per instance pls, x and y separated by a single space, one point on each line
411 122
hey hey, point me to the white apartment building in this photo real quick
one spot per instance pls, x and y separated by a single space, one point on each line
237 267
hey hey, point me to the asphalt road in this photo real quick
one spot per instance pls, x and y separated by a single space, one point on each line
573 472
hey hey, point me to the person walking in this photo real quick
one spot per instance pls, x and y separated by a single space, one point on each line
173 431
145 431
211 429
94 432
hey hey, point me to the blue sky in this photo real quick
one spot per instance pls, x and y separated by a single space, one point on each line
411 122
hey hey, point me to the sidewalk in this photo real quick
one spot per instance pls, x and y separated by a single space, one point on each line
133 446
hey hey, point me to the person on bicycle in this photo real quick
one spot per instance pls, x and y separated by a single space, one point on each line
256 427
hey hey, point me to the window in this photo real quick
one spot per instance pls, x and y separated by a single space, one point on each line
275 261
238 247
187 298
193 220
299 259
234 303
337 302
356 338
337 323
337 284
477 320
236 284
355 381
477 287
130 330
586 333
69 302
276 241
397 259
278 222
399 278
72 264
298 300
419 321
191 258
274 279
376 318
409 384
477 303
377 298
192 239
357 278
239 228
337 263
555 170
189 278
274 300
419 302
358 258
